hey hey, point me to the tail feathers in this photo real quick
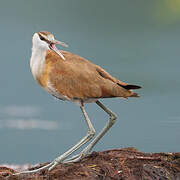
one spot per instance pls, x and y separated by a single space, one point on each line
129 86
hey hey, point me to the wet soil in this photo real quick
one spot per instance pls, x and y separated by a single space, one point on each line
116 164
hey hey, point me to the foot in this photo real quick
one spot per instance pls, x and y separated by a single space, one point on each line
77 157
57 161
35 170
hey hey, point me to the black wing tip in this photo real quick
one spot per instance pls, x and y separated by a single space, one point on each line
133 87
130 86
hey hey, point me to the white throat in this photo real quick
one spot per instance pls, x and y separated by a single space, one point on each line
37 61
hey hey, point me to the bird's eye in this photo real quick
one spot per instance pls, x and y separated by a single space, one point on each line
42 38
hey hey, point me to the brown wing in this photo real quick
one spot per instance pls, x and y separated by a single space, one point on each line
106 75
76 77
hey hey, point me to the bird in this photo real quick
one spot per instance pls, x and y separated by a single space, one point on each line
70 77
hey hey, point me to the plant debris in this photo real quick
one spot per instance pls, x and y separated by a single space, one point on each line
116 164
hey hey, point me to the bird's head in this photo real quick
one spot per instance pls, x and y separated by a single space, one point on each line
45 40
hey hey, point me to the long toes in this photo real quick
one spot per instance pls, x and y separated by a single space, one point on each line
33 171
55 163
77 157
71 159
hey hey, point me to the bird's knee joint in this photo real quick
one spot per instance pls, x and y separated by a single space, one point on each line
113 118
91 133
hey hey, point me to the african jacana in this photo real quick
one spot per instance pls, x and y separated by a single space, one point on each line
70 77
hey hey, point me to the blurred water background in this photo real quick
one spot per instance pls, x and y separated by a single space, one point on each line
136 41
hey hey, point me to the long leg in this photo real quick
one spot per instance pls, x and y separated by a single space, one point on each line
88 137
90 134
111 121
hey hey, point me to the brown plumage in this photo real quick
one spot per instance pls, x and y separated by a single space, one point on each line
77 78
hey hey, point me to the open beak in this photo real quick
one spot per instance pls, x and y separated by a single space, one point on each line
52 46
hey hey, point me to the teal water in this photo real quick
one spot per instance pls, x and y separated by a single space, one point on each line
135 41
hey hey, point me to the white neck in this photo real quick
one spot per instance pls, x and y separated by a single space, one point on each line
37 61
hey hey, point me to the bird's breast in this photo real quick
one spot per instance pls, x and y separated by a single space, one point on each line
41 69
